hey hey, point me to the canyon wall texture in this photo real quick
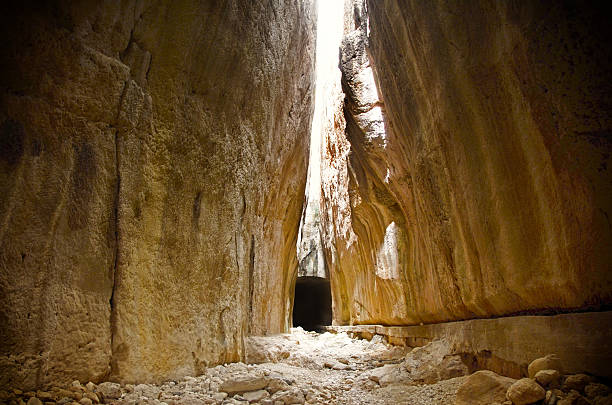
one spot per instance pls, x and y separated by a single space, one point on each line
144 151
489 191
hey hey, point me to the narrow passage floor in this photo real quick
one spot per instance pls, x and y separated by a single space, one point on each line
302 368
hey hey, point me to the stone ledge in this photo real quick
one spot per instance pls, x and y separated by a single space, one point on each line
507 345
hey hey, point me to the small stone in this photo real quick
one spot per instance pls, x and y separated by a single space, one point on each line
17 392
267 402
34 401
548 362
576 382
146 390
277 384
254 396
75 395
243 383
90 386
551 398
109 390
76 384
219 396
525 391
85 401
44 395
291 396
593 390
548 378
343 360
558 393
94 398
573 398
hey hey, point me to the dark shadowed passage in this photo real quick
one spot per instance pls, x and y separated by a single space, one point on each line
312 305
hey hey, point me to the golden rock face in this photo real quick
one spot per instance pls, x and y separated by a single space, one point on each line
145 150
494 170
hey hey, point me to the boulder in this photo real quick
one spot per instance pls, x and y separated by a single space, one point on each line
548 362
434 362
576 382
384 375
525 391
483 388
548 378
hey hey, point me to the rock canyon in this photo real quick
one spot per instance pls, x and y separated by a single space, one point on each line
305 201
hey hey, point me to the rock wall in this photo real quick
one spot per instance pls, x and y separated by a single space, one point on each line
361 232
489 193
507 345
144 149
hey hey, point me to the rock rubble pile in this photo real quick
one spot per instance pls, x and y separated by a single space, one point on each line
546 385
310 368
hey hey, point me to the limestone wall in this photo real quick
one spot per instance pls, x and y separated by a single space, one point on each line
153 163
490 192
507 345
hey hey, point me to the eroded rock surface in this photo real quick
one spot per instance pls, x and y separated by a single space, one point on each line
152 171
490 191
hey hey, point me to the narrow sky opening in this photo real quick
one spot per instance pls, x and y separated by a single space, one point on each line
330 22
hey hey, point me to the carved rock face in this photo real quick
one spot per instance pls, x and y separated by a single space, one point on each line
145 148
493 169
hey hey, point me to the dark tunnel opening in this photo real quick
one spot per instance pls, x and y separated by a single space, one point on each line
312 305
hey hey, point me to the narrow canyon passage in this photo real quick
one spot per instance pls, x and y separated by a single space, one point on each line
305 202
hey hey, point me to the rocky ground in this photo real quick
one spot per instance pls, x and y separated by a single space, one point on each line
311 368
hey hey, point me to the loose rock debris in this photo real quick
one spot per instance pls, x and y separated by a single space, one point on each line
310 368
